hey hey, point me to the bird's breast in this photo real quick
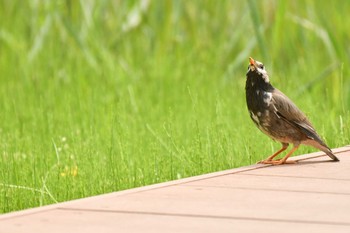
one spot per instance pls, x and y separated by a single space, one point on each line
258 99
259 103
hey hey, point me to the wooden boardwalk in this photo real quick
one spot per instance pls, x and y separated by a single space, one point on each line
311 196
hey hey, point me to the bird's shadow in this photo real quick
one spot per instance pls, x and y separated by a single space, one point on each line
310 160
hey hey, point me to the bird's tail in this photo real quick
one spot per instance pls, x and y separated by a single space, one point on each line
328 151
323 147
330 154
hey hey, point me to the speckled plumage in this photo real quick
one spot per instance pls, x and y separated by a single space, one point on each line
277 116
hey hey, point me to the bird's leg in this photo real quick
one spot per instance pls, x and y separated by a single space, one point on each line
284 160
269 159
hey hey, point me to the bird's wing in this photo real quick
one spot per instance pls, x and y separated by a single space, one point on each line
289 112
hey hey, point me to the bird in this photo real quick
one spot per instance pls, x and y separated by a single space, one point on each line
278 117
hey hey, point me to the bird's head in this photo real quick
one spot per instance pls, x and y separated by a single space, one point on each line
257 69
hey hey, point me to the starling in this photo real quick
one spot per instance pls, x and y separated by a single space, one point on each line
277 116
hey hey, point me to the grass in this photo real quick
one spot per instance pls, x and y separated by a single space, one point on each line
100 96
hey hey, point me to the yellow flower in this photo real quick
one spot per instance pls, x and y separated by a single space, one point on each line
73 171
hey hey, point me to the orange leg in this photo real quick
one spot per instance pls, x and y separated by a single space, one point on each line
269 159
284 160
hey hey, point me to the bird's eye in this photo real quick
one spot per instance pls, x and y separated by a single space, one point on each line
261 66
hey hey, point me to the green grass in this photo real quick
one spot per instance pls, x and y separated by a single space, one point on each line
100 96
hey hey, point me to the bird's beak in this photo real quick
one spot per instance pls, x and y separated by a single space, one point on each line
252 63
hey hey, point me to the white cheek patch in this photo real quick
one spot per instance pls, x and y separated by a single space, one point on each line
264 75
262 71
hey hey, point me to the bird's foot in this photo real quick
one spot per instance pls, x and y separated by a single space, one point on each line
277 162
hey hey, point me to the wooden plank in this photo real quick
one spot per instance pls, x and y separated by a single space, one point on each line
274 183
71 221
310 196
321 168
133 190
232 203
